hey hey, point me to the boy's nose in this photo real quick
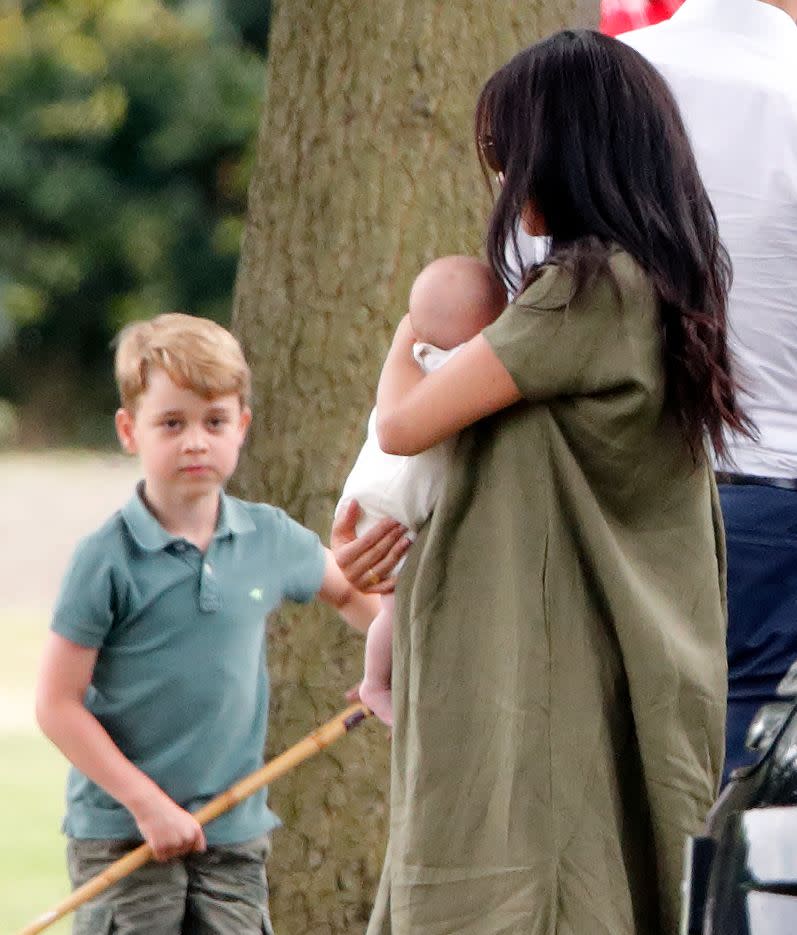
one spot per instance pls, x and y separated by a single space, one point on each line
194 439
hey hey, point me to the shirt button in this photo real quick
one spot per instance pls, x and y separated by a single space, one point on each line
208 568
180 546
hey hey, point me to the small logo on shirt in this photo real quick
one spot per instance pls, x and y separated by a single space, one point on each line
256 594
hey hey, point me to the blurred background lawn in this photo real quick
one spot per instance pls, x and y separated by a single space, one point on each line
48 500
32 873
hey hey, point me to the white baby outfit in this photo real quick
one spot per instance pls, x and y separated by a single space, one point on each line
401 487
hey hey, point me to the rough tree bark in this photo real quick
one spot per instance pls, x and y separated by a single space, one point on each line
365 171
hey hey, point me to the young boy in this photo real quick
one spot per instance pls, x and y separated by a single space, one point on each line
451 300
153 680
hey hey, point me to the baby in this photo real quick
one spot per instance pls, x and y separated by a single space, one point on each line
450 302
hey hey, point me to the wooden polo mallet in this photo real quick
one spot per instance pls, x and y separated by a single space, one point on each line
313 743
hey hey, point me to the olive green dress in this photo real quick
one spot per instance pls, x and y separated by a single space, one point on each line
559 643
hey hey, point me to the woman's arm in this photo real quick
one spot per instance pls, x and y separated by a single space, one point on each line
414 412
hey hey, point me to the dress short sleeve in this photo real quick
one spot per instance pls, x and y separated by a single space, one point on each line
84 608
555 343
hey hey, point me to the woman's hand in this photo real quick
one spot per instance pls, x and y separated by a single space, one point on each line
368 560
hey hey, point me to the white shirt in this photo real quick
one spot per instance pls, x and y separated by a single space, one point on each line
732 66
530 250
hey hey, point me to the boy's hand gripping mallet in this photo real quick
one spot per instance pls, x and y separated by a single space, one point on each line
313 743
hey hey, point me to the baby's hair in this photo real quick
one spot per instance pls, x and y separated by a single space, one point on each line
453 298
196 353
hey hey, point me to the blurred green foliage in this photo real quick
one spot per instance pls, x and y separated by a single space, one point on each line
127 132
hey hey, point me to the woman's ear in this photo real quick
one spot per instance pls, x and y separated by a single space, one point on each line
125 425
532 221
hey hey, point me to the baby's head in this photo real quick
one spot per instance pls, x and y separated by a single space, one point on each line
196 353
452 299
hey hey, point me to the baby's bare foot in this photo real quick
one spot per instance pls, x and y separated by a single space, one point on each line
379 700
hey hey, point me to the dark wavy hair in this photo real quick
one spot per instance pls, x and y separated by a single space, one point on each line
586 131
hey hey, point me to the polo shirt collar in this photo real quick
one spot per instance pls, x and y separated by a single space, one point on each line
234 519
152 537
752 18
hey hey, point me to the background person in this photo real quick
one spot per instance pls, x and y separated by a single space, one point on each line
732 66
618 16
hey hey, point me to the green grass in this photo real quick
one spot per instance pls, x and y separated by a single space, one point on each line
32 868
33 874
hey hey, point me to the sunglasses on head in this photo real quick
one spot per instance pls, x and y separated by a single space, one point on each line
487 147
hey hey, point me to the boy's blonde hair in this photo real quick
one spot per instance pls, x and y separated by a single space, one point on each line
196 353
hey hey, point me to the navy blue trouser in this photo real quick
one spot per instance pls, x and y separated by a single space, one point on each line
761 531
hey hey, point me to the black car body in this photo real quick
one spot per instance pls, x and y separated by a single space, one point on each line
741 876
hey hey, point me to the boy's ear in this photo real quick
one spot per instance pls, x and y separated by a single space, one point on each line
124 423
246 421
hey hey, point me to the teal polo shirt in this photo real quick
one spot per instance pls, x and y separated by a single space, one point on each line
181 683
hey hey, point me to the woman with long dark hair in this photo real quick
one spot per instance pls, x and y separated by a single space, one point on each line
559 656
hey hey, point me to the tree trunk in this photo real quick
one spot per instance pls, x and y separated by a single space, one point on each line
365 172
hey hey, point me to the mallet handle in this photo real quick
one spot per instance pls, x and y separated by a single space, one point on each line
313 743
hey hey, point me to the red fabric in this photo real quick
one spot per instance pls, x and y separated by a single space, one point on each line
624 15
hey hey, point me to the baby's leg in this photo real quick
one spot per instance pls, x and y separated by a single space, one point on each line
375 687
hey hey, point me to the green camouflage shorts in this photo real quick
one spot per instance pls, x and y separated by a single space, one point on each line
221 892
